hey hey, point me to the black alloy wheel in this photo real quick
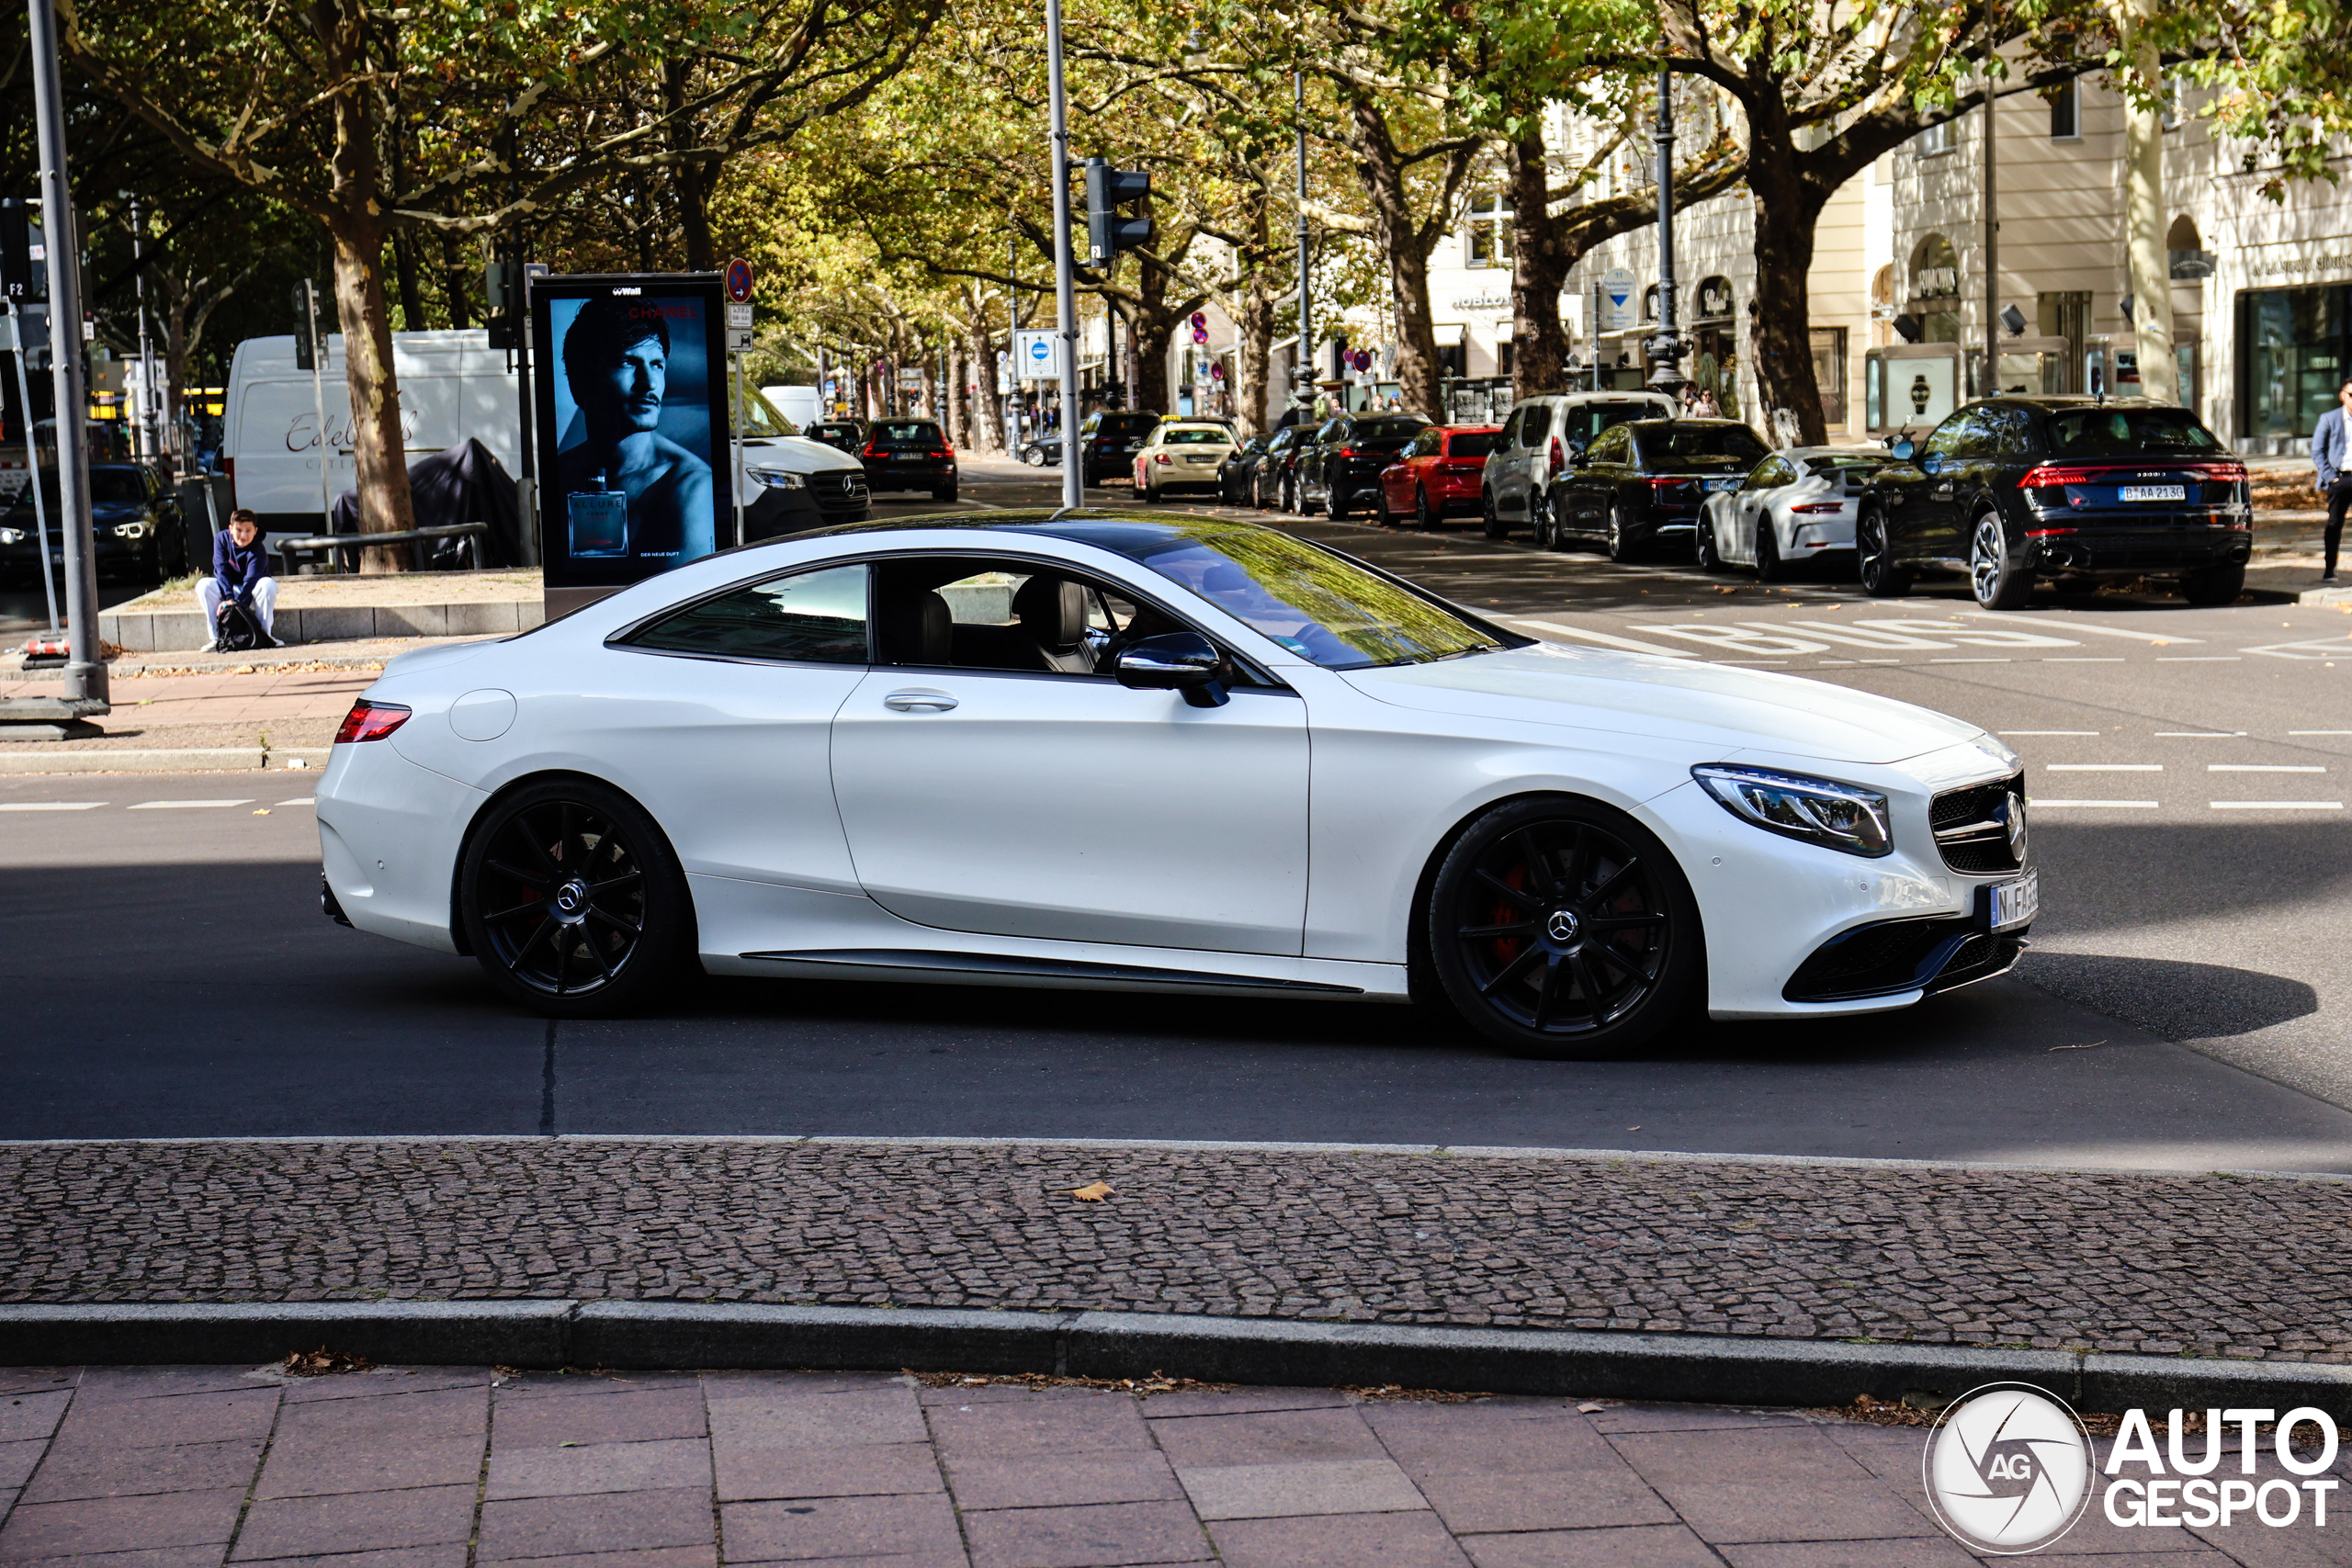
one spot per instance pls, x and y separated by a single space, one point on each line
1770 568
1335 501
1874 558
1290 496
1709 559
1490 518
1539 521
573 900
1995 576
1562 928
1621 542
1424 517
1380 502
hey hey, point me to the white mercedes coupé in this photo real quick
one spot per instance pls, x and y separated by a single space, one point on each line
1092 749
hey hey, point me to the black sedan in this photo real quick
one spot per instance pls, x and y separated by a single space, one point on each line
849 435
1271 475
1237 477
1645 481
1041 452
136 528
2077 489
908 454
1340 467
1108 442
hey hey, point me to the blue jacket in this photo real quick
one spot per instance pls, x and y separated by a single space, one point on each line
238 568
2328 444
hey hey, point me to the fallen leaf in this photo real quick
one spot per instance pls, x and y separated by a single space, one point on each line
263 812
1726 588
1589 1408
318 1363
2093 1044
1092 1192
1632 1129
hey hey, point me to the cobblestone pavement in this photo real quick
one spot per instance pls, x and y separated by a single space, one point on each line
2206 1265
454 1468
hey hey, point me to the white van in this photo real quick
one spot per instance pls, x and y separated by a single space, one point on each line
798 404
454 386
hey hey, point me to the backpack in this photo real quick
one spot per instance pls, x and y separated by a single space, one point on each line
241 631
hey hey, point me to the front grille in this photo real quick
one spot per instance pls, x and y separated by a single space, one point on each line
838 491
1971 826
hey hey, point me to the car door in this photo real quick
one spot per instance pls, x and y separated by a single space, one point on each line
1903 493
1750 507
1594 488
1505 466
1066 807
1947 462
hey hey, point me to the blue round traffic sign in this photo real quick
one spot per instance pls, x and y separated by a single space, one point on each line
739 281
1041 351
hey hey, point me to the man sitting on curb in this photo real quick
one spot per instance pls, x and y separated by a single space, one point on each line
240 577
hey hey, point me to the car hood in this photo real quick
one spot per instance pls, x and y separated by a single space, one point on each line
1711 707
797 454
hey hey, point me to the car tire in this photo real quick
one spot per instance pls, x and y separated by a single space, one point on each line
1335 504
1995 577
2214 585
1387 518
614 933
1709 560
948 494
1621 542
1874 558
1290 498
1562 928
1035 457
1490 519
1770 566
1155 495
1426 520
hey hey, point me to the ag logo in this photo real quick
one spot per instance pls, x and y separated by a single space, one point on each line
2009 1469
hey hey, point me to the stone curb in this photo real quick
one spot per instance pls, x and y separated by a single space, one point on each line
1675 1368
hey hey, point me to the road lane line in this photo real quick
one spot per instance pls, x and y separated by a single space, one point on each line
186 805
2080 661
2276 804
2050 732
2040 801
1624 642
300 800
2199 734
1970 661
51 804
2319 732
2196 658
2049 626
2261 768
2103 767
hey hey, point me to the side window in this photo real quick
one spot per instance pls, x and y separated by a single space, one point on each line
1949 438
1539 425
1511 426
1613 445
816 617
2017 433
1771 474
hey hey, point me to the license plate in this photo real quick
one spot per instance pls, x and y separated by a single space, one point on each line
906 457
2153 492
1723 484
2015 903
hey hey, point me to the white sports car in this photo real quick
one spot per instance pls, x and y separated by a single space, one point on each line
1794 506
1089 748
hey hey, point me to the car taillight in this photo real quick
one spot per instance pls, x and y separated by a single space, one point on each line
1159 456
1820 506
2223 473
2051 476
1559 458
370 721
1662 486
1349 452
870 450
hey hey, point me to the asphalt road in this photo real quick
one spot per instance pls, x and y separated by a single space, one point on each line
169 974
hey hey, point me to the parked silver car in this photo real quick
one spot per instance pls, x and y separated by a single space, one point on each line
1794 505
1540 442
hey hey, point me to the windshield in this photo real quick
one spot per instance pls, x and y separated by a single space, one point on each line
2128 433
1472 446
1699 447
1127 424
108 487
1319 605
1195 438
1862 462
1582 421
761 419
1388 429
906 429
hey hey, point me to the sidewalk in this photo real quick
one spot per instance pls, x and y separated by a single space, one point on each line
453 1467
2208 1266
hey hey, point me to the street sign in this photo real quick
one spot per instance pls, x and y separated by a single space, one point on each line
739 281
739 328
1618 309
1032 356
1216 372
1199 334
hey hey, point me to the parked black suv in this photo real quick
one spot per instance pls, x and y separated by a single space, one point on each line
1645 480
1342 464
1108 442
908 454
2013 489
849 435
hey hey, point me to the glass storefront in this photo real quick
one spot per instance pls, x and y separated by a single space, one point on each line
2293 346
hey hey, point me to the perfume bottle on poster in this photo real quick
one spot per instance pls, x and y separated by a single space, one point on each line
598 520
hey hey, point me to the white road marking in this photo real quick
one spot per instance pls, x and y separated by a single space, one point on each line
2319 732
2276 804
1969 661
2260 768
2076 625
1605 638
2103 767
2051 659
300 800
2196 658
49 805
2199 734
186 805
2049 732
2040 801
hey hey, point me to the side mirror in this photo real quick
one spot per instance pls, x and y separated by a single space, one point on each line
1931 464
1176 661
1902 449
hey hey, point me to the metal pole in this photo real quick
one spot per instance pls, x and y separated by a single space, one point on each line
85 672
1064 285
319 401
147 443
32 461
1665 347
1305 399
1011 343
1991 385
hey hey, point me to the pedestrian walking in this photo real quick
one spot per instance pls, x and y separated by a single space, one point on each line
1705 405
2331 455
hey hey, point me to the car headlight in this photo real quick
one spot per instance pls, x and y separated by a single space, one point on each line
138 530
776 479
12 536
1818 811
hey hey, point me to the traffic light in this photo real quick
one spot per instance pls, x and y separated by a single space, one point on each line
24 265
1107 190
305 325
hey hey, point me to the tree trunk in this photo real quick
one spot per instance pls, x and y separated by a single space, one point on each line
455 282
357 229
1540 257
931 399
412 292
988 409
1255 321
1401 242
691 180
1787 208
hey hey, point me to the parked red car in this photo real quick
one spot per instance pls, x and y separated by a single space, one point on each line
1437 475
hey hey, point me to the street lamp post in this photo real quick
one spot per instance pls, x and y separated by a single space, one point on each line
1065 285
1305 301
1666 344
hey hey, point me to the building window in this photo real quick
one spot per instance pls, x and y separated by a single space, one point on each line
2294 345
1936 137
1490 231
2067 113
1830 372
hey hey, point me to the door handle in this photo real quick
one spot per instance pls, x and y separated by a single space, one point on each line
1943 489
919 702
